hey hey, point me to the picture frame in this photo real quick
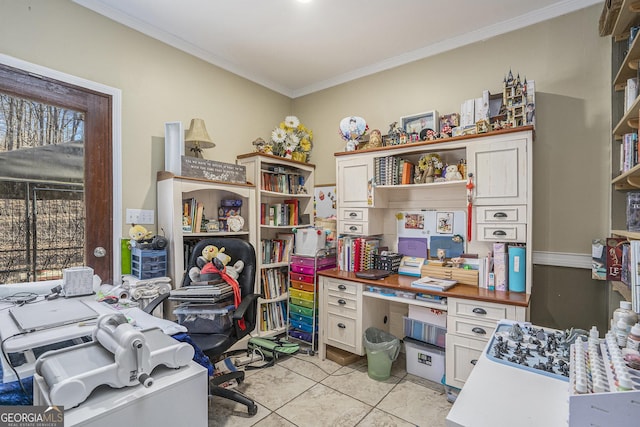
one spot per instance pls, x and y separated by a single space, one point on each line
414 124
444 222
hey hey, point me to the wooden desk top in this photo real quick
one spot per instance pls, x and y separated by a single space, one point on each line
398 281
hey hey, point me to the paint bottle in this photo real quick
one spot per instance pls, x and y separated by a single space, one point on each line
622 332
633 339
624 312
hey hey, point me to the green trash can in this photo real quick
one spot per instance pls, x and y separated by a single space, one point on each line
382 350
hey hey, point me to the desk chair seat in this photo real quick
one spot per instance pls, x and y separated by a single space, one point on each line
216 344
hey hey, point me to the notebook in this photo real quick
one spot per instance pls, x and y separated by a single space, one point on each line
51 314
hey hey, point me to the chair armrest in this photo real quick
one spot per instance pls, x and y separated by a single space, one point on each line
245 304
156 302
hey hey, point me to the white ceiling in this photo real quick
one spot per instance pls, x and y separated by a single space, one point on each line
298 48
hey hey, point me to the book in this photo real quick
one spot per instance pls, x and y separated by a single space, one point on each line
198 222
614 257
433 284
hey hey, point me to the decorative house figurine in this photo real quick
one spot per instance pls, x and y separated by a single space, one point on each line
518 100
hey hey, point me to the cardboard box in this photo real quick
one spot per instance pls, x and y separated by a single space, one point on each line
342 357
424 360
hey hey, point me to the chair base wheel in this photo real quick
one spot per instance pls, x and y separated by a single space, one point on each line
253 409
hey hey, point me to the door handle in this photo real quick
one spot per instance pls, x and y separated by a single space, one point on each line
479 310
99 252
353 228
341 325
499 215
342 287
353 214
341 302
480 331
499 233
474 361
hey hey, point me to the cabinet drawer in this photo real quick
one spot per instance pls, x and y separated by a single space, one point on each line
480 310
354 214
303 295
342 288
340 305
341 332
471 328
354 228
501 214
302 286
307 278
502 232
461 355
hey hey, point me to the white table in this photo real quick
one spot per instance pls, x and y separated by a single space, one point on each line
26 343
498 395
178 397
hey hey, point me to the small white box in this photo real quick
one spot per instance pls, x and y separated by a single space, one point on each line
308 241
428 315
77 281
424 360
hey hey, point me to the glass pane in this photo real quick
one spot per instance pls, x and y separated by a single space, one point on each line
42 212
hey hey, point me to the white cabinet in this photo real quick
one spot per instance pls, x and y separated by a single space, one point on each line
354 181
470 324
500 170
174 190
283 200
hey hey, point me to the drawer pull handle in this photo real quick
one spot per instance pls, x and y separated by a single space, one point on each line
480 331
353 214
353 228
474 361
341 325
499 233
342 287
499 215
479 310
341 302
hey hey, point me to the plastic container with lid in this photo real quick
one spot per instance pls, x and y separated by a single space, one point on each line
624 313
633 339
622 331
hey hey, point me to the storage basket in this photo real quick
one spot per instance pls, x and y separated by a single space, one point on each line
389 262
148 264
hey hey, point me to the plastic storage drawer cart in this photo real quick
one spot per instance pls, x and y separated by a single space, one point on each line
147 264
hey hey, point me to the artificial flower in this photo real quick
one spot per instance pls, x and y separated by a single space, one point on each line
291 136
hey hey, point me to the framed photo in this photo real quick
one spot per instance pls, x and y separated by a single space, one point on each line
444 222
415 124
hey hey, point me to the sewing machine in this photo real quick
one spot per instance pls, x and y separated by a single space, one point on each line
119 356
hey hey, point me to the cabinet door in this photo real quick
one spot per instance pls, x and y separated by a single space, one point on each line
461 356
353 178
499 170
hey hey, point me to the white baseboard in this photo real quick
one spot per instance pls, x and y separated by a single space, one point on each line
562 259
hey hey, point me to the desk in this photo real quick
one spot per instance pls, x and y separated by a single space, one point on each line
29 343
177 397
497 395
346 310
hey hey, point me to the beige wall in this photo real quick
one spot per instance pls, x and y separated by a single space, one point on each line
158 83
570 65
565 56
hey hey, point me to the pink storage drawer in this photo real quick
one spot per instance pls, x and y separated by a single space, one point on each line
306 269
302 277
324 262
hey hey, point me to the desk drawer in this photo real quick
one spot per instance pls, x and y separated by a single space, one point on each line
340 288
341 332
461 356
354 214
480 310
501 214
341 305
502 232
471 328
354 228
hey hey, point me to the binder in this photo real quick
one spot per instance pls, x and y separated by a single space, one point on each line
517 268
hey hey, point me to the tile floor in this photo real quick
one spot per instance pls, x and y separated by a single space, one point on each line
301 390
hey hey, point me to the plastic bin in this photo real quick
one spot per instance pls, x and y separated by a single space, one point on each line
205 318
382 350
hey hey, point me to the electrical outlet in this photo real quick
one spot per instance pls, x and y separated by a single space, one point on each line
140 216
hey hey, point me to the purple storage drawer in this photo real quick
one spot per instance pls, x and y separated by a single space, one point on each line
323 263
306 269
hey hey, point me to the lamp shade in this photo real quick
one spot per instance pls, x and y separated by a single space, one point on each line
197 137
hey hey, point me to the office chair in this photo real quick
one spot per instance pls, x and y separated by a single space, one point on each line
215 345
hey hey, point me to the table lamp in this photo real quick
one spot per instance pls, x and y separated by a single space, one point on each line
197 138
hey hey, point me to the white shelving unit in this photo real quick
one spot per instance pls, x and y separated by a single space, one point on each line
278 182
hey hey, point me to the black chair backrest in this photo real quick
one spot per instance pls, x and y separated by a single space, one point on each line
237 249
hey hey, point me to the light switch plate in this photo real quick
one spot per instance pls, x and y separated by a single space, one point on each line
140 216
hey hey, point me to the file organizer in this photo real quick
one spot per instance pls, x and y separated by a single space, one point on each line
517 268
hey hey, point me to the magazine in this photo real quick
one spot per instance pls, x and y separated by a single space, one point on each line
433 284
224 367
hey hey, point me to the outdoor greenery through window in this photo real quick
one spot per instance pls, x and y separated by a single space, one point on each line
42 212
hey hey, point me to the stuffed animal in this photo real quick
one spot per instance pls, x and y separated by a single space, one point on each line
138 233
452 173
199 273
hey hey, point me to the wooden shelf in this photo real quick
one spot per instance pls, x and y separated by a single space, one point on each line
633 235
630 118
457 183
629 67
626 18
629 180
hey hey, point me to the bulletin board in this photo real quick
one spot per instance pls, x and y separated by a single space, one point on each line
431 226
324 201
